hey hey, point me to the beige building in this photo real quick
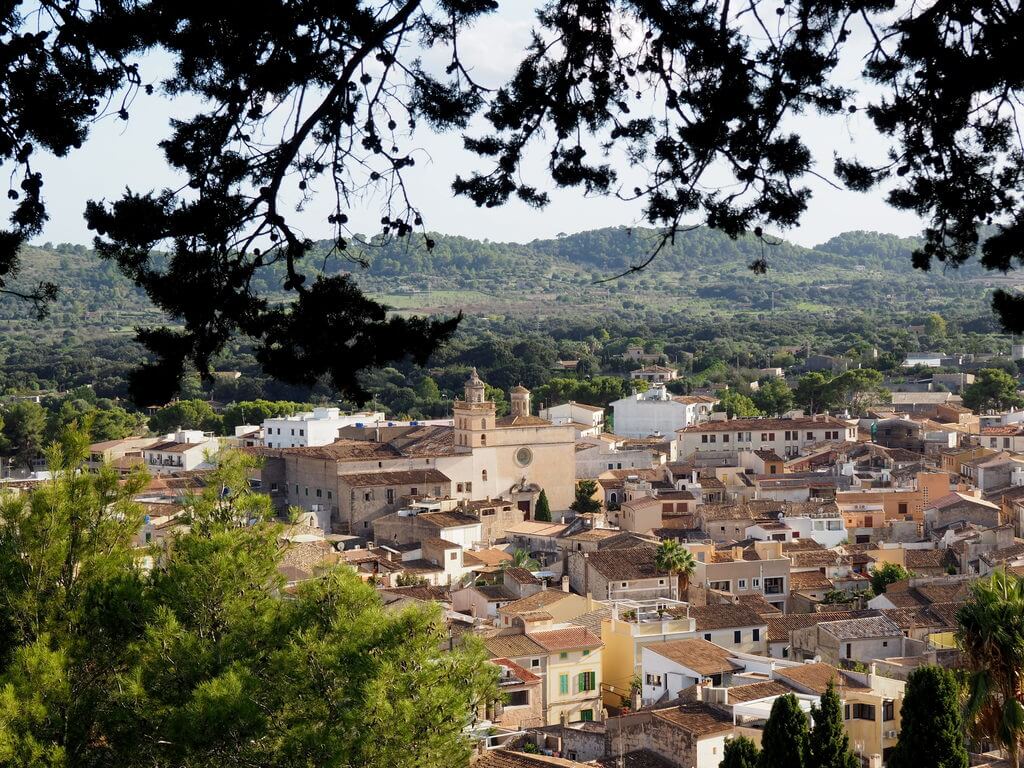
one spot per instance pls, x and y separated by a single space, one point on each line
760 569
481 457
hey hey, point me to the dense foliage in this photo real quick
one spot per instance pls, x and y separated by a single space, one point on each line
931 722
199 661
785 738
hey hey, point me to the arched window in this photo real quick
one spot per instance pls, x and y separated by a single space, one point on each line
483 475
483 423
613 498
483 439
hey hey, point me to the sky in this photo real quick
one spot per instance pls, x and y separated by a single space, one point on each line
121 155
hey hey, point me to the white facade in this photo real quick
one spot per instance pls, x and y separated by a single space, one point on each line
657 411
181 451
596 455
827 531
787 437
311 428
574 413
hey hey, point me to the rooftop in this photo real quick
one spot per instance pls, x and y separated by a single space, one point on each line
699 655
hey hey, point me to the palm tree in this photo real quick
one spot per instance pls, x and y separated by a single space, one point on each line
991 636
521 559
676 560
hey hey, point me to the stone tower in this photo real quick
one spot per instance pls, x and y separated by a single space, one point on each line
520 401
474 416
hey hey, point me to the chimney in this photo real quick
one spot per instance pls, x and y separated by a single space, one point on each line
565 583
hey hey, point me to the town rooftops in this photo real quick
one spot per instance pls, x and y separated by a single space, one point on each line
701 656
399 477
533 528
862 628
815 677
566 638
696 718
768 425
724 616
626 564
534 602
779 626
739 694
173 446
955 497
451 519
521 576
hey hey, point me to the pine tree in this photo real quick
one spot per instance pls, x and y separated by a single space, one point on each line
829 744
543 510
739 752
931 727
784 742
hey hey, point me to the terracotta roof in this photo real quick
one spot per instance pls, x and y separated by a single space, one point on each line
712 512
570 638
733 425
780 626
924 558
173 446
512 646
696 718
811 580
638 758
693 653
520 576
724 616
403 477
522 675
754 691
862 628
447 519
625 564
534 602
342 450
756 602
911 618
505 758
495 593
592 620
815 677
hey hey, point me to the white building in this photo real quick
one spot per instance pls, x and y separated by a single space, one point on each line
787 436
311 428
658 412
595 455
181 451
575 413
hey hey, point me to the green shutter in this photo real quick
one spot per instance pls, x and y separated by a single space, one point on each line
563 684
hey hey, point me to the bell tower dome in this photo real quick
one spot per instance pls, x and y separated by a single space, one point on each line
520 397
474 416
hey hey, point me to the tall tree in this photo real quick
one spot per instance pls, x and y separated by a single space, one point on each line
785 737
991 635
813 392
543 510
829 745
737 405
677 561
739 752
198 661
994 389
886 574
774 397
585 502
931 722
24 431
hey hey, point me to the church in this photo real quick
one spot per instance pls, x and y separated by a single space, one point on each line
369 472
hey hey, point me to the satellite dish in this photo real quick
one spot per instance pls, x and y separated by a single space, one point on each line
779 516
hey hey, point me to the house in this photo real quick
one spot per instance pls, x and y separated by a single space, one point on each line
923 403
424 520
522 702
598 454
761 568
780 625
786 436
658 412
862 639
591 416
317 427
957 506
182 451
572 673
672 666
735 626
544 606
619 574
1006 438
121 454
654 374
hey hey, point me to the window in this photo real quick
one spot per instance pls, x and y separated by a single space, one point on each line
611 466
742 584
846 712
737 636
725 438
483 475
483 439
293 433
307 491
330 495
661 582
273 487
703 438
518 699
586 651
302 433
587 681
469 487
764 437
625 584
483 423
774 585
714 438
755 634
864 712
885 643
902 508
535 663
654 680
707 636
587 715
721 586
368 496
453 556
149 536
755 583
888 710
389 495
319 493
458 487
563 655
563 684
414 491
849 651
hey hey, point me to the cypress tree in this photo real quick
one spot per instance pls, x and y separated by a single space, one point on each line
931 726
543 511
784 742
829 744
739 752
